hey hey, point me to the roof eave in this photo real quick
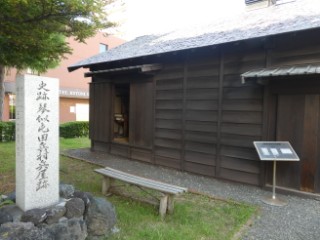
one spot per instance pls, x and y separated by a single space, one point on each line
73 68
88 65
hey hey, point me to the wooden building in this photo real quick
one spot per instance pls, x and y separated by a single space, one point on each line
196 100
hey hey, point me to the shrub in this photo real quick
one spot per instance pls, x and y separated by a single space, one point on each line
74 129
7 131
67 130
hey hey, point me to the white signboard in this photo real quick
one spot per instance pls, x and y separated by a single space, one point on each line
37 142
275 151
82 112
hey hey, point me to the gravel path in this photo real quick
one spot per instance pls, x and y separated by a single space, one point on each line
299 220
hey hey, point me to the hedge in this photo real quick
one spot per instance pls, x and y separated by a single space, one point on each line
7 131
74 129
67 130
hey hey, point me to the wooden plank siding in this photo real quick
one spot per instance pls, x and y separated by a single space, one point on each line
168 116
141 117
296 49
242 118
203 119
201 115
100 111
295 105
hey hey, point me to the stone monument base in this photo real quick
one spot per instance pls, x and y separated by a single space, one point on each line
77 216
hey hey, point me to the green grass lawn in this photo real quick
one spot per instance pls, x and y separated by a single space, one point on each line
196 217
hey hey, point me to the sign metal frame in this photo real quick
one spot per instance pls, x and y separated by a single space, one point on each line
275 151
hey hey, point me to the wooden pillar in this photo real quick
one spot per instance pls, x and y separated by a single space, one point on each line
163 206
170 204
219 123
106 184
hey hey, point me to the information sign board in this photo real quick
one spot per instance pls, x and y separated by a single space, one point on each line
275 151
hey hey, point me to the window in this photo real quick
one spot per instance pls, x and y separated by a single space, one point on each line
12 107
278 2
257 4
248 2
103 47
270 2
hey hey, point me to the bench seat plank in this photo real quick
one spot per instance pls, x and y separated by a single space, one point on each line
168 190
143 182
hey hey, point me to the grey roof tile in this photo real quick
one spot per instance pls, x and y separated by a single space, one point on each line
292 70
277 19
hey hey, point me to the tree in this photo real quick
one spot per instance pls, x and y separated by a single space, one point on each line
33 32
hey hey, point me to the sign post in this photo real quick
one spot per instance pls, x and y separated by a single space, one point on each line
275 151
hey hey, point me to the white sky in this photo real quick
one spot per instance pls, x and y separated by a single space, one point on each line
141 17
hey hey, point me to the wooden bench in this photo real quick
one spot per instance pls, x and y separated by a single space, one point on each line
168 191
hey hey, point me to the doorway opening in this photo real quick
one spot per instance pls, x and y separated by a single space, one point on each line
121 113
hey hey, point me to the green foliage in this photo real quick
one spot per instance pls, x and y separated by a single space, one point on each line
32 32
7 153
72 143
7 167
74 129
5 202
7 131
67 130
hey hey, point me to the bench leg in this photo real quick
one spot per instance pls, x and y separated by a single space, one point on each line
170 204
106 184
163 206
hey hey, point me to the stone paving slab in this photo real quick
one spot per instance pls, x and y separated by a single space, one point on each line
299 220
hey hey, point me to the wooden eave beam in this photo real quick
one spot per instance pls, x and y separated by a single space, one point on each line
146 68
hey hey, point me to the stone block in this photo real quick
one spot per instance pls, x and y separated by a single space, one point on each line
54 214
66 190
68 229
36 216
5 217
75 208
101 217
23 231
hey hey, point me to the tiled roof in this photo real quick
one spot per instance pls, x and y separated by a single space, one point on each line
277 19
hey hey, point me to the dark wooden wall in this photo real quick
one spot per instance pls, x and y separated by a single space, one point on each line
168 116
201 118
100 111
141 120
242 116
293 113
206 120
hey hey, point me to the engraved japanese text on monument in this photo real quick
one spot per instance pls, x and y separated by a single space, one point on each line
42 119
37 145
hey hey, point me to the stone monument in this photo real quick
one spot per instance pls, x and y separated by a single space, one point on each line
37 141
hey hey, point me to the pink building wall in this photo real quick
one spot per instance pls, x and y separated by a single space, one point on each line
74 80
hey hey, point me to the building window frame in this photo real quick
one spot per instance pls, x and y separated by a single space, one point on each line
103 47
12 106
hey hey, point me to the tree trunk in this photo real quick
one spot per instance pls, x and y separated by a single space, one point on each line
2 74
